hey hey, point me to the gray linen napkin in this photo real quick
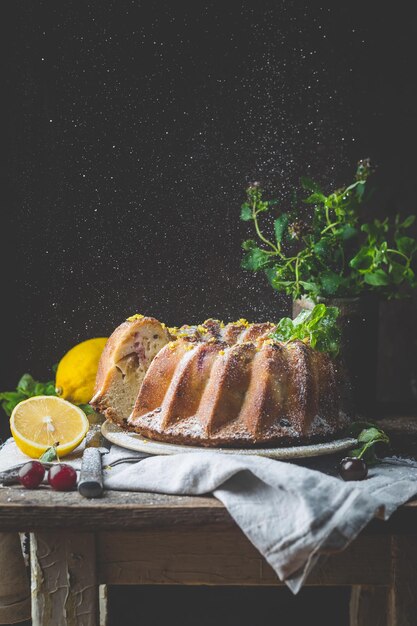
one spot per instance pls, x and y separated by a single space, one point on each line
291 514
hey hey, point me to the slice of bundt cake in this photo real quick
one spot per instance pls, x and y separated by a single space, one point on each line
123 365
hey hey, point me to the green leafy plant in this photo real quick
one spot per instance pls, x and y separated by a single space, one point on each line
27 387
317 327
368 436
329 249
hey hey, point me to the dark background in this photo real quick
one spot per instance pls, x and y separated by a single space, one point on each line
131 131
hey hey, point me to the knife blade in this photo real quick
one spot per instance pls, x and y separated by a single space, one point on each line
90 484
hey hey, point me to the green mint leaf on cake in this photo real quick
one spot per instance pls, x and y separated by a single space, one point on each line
317 327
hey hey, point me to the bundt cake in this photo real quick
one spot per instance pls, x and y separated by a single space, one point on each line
218 385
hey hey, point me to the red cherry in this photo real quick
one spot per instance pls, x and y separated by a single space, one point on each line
352 468
62 477
31 474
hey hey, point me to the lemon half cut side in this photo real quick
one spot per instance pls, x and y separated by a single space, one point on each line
39 422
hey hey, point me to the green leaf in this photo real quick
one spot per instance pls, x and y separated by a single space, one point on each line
271 275
397 272
12 396
50 389
249 244
26 384
310 185
284 330
246 212
323 248
409 275
372 434
50 454
302 317
360 190
255 259
308 286
39 389
406 245
262 206
376 230
408 221
8 407
315 198
88 410
363 260
368 436
330 282
316 314
280 225
317 327
348 231
376 278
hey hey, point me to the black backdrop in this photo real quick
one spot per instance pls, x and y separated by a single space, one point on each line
132 129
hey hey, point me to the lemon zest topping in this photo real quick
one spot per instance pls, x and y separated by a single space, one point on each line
241 322
136 316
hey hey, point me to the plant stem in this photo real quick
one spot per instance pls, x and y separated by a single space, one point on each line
260 235
297 277
400 254
330 226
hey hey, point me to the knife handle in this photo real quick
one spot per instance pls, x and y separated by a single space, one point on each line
90 484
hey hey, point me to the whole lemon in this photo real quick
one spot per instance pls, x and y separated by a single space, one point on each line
76 373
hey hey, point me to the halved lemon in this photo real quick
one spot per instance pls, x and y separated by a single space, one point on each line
41 421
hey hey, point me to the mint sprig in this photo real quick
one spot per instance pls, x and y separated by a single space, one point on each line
317 327
368 437
27 387
327 248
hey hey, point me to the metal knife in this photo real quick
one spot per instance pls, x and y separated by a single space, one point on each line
90 483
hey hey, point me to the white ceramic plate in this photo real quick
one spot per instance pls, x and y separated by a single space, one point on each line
133 441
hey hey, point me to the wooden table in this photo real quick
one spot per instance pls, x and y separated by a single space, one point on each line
78 546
